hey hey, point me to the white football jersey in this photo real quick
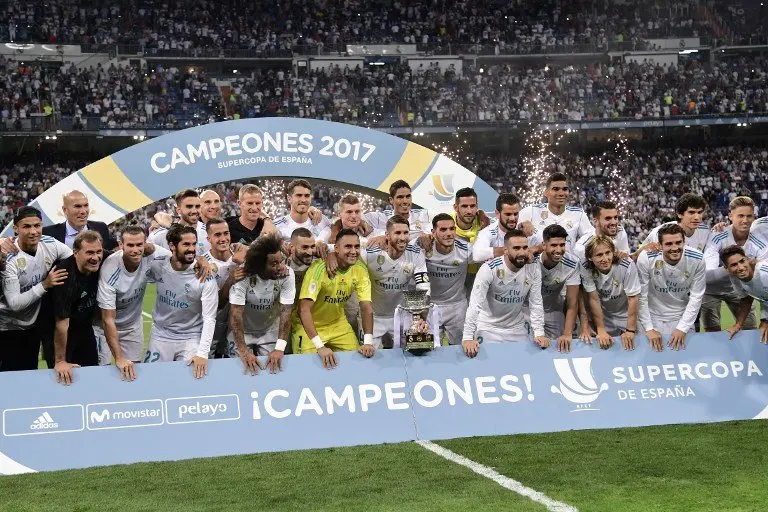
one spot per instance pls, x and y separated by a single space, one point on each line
286 225
756 288
23 283
673 292
697 241
620 282
573 219
718 280
123 291
390 278
487 239
448 272
620 241
498 299
220 269
185 308
157 237
262 300
555 279
418 221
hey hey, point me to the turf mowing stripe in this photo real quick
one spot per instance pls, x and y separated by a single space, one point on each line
145 314
504 481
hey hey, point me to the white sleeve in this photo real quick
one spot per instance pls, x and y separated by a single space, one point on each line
481 249
584 226
694 298
325 235
536 304
288 288
644 275
536 239
210 300
157 238
161 252
107 295
325 223
377 220
12 290
477 301
575 278
62 251
237 292
738 289
653 236
632 285
420 275
714 270
622 241
587 281
526 214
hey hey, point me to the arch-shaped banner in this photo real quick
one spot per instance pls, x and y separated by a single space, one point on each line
237 150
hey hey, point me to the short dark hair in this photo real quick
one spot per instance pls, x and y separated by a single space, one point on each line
212 222
506 198
730 251
672 228
346 232
256 257
297 183
26 211
176 231
87 235
132 229
557 176
603 205
397 185
442 216
465 192
397 219
301 232
554 231
184 194
514 233
689 200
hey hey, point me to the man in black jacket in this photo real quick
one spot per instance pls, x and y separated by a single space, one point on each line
76 209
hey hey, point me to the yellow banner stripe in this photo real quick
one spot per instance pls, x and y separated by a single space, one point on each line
109 181
411 167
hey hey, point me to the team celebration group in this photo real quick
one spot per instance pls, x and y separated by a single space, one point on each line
256 288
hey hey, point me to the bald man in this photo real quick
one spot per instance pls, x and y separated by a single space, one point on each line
210 206
76 209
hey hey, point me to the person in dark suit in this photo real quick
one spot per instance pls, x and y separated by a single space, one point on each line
76 210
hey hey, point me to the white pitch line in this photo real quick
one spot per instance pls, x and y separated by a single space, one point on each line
504 481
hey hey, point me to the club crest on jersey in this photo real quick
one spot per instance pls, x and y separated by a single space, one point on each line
380 259
313 287
21 264
526 282
500 273
456 263
659 265
48 262
214 268
417 225
686 274
615 283
252 281
407 268
544 215
554 281
569 224
187 288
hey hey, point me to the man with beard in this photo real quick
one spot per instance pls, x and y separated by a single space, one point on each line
184 318
260 307
741 232
252 222
74 304
300 199
613 288
401 201
673 283
750 281
392 270
324 326
495 313
188 210
606 218
560 281
122 281
536 217
447 268
30 272
490 241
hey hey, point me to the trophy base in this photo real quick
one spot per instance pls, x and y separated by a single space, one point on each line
418 344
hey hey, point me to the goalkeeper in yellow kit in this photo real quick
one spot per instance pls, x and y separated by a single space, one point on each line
324 327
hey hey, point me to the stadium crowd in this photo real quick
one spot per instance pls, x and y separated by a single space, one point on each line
304 25
126 96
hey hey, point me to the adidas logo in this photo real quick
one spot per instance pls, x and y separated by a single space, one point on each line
44 422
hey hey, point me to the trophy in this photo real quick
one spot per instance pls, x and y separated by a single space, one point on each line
416 312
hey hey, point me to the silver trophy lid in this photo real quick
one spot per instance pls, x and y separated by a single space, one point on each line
415 300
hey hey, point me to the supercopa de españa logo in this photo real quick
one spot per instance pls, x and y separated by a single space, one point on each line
577 383
443 187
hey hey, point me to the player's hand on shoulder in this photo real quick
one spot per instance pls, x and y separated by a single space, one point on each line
203 269
483 220
56 277
526 227
331 264
377 242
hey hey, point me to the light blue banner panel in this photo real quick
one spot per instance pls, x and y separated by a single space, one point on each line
511 388
264 147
